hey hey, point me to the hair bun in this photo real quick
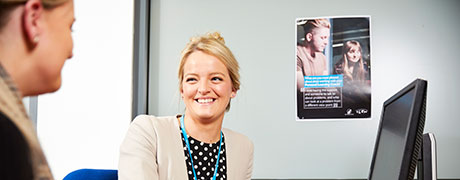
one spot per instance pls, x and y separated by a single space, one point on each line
208 36
217 36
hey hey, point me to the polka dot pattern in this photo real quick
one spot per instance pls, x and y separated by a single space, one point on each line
204 159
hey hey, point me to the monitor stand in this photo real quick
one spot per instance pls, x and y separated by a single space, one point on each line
426 165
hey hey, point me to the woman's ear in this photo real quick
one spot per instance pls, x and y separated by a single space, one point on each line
33 10
233 93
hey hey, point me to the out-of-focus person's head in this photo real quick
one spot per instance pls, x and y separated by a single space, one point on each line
209 51
317 34
35 42
352 51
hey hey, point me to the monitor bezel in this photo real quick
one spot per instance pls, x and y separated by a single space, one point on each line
420 87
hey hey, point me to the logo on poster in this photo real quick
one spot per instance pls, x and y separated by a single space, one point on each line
361 111
349 112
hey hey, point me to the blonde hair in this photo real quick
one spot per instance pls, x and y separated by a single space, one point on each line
213 44
360 72
316 23
7 5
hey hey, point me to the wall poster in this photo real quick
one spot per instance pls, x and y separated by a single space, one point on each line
333 68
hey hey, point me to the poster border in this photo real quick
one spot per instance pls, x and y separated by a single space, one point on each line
295 73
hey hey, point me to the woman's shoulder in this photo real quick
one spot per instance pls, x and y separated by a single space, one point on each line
238 146
14 152
145 121
143 118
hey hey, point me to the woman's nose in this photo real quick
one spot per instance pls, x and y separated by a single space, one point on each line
203 88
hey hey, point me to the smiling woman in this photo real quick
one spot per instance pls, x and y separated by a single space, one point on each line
35 41
206 87
193 145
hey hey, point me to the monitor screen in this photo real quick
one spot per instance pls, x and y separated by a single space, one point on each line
395 150
393 138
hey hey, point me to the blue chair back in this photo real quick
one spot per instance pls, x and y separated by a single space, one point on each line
92 174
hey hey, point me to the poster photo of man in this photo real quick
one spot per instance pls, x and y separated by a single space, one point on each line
333 68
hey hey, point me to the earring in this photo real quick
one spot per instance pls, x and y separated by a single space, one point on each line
36 39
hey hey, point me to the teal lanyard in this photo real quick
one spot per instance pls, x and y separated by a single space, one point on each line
190 153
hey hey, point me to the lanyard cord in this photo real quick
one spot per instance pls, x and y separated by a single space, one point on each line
190 153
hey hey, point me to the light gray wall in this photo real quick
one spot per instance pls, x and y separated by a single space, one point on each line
410 39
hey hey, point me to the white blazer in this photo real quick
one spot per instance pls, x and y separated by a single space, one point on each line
152 149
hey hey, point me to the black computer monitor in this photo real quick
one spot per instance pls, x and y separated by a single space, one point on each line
400 134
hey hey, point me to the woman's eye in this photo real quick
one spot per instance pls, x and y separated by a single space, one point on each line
216 79
190 79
